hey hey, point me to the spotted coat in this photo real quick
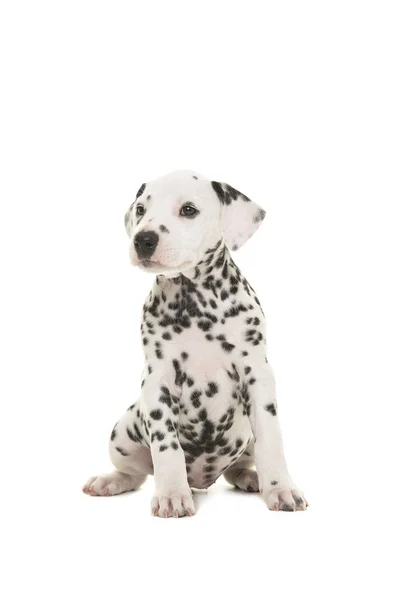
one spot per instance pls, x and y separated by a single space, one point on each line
207 405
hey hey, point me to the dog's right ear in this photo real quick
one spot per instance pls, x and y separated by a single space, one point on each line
128 220
129 215
241 217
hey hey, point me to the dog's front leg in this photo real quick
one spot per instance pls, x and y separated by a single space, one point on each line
172 496
276 485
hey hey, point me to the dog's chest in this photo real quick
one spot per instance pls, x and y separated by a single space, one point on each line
204 337
215 318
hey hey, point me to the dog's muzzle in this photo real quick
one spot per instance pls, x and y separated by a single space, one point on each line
145 243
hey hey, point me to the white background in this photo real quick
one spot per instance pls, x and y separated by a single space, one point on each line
297 105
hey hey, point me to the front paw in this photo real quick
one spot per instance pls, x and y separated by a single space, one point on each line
286 499
172 503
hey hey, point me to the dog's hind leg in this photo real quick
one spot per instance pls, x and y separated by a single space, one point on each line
241 474
130 455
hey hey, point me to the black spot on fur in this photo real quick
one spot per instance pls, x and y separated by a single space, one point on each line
165 397
212 389
226 193
180 376
141 190
169 425
157 435
259 216
202 414
204 325
271 409
121 451
195 398
218 189
156 414
227 346
299 501
133 437
234 311
137 431
234 375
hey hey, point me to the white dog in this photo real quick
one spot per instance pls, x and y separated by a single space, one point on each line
207 405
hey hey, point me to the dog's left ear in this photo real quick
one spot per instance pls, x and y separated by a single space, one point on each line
241 217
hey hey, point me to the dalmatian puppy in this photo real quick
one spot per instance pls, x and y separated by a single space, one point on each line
207 405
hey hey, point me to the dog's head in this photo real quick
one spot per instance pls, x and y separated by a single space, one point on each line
174 220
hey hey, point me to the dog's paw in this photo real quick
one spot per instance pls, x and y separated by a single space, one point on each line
288 500
247 481
172 504
112 484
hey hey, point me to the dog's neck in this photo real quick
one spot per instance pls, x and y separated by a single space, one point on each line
215 281
215 266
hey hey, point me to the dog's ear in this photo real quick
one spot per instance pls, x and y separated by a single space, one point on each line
241 217
130 214
128 220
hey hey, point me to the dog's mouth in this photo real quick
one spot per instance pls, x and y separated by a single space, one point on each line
146 262
152 266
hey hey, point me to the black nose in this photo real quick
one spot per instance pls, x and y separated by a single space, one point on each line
145 243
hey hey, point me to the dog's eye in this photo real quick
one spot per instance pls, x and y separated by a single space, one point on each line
188 210
139 210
